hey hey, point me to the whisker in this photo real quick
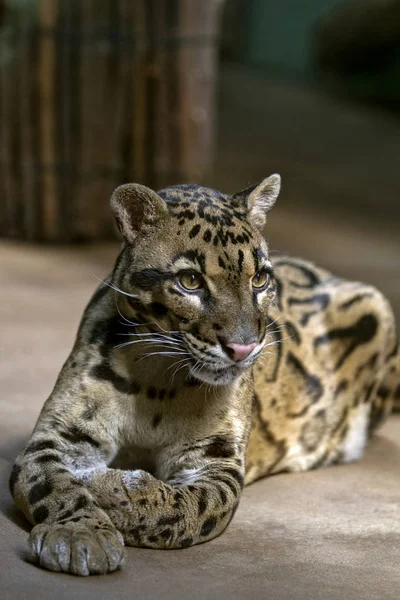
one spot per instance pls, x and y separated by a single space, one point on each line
185 361
115 288
272 322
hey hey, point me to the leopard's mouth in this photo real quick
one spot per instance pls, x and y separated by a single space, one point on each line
211 367
217 374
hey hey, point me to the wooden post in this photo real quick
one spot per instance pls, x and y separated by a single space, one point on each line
101 92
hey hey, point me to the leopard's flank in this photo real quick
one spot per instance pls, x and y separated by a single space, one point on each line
200 365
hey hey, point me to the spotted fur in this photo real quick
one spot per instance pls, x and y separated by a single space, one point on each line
153 426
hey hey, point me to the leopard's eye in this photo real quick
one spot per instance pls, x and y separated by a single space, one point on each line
190 280
260 280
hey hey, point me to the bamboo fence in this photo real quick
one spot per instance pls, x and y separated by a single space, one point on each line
97 93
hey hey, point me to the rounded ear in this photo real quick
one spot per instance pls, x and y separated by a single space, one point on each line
260 198
135 208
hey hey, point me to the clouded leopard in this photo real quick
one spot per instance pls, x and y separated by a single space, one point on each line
200 365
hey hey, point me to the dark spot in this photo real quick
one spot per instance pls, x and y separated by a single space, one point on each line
240 259
40 445
124 503
383 392
168 520
40 514
220 447
156 419
75 435
311 279
82 502
341 387
152 392
222 495
172 394
177 500
166 534
194 256
105 373
142 502
39 492
158 309
354 300
33 478
135 387
148 278
236 475
186 542
161 394
228 482
15 473
47 458
202 503
293 332
207 236
320 300
360 333
65 516
153 539
208 526
194 231
313 386
221 262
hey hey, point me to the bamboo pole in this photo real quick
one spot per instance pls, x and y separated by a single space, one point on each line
101 92
9 223
140 92
26 132
47 64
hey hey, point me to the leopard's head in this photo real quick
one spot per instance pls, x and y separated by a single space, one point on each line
195 268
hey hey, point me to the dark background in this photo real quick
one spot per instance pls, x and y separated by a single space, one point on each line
311 89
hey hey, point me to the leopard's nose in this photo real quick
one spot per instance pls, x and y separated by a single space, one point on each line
240 351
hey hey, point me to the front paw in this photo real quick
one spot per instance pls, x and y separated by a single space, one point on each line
75 548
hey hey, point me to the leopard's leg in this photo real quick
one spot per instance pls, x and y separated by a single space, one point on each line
194 504
72 533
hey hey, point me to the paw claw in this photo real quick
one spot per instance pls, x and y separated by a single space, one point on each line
75 548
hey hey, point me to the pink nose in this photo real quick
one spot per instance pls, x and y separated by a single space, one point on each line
240 351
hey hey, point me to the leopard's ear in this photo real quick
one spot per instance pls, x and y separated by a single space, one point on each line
135 208
260 199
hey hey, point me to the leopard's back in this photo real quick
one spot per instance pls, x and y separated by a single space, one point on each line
329 377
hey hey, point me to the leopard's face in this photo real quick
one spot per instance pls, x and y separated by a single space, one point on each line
201 278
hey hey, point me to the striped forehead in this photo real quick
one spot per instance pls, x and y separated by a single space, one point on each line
190 202
208 215
192 193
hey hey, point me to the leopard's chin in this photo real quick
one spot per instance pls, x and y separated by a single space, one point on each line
221 376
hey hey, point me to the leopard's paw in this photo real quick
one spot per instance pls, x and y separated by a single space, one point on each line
75 548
